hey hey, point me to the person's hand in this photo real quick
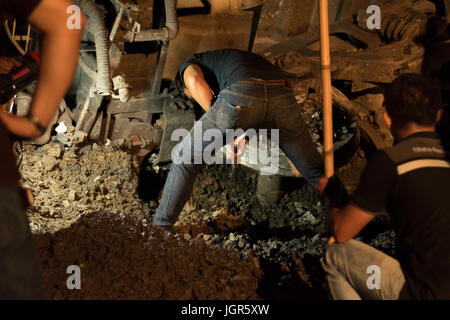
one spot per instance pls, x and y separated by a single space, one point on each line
321 185
7 64
331 241
238 149
20 126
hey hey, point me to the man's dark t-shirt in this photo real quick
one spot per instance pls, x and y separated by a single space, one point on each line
19 9
8 171
224 67
411 181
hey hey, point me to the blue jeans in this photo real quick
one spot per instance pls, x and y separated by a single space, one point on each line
20 270
263 104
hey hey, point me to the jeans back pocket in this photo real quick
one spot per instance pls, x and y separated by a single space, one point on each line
231 116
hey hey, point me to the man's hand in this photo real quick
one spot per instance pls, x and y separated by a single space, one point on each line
331 241
238 149
20 126
7 64
346 223
321 184
344 220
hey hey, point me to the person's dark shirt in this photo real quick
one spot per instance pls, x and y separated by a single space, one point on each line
224 67
19 9
411 182
9 174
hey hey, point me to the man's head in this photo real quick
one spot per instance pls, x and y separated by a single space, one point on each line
412 100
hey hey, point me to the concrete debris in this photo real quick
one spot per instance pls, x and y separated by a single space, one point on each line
61 128
70 182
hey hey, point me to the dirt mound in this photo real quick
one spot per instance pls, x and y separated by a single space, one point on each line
124 257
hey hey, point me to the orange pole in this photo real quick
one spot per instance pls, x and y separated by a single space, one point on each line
326 87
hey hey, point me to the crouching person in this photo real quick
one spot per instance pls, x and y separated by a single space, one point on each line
411 182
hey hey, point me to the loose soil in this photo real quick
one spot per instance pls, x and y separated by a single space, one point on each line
123 257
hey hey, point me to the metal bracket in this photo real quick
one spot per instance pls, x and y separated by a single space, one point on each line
136 29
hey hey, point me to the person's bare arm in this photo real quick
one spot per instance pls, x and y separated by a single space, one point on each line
348 222
198 88
59 58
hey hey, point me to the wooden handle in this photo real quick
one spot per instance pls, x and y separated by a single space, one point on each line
326 87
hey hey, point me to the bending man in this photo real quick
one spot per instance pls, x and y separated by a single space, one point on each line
251 93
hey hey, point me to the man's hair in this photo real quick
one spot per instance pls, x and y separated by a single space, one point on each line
180 83
413 98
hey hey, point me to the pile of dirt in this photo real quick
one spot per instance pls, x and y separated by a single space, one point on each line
70 182
124 257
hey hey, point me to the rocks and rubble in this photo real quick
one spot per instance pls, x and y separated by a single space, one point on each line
71 186
69 182
224 211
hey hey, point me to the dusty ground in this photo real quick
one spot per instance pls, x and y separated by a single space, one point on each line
95 204
225 245
124 257
87 203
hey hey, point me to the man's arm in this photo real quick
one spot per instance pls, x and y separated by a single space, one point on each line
370 199
198 88
59 58
348 222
